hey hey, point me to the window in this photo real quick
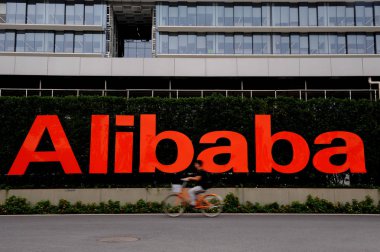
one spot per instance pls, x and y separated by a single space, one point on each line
281 44
87 43
2 41
238 45
285 16
78 43
220 44
370 44
220 15
98 43
192 15
312 15
341 44
59 12
89 14
229 44
323 44
377 13
39 42
209 16
304 44
30 42
164 43
238 15
79 12
163 14
173 15
31 12
247 46
11 12
294 44
304 15
293 21
210 43
201 15
332 15
351 44
69 43
50 12
256 15
182 13
265 15
9 41
59 42
247 12
20 42
191 44
228 15
98 13
377 43
322 15
364 14
360 43
341 15
182 44
350 17
49 42
201 44
276 15
313 44
333 43
21 12
70 13
40 12
257 44
173 44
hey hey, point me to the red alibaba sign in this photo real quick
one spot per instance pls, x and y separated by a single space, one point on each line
149 139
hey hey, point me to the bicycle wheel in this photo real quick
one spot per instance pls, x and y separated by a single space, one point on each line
215 203
173 205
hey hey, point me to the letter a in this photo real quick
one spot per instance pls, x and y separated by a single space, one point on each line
62 153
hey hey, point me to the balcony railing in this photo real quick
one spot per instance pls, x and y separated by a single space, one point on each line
302 94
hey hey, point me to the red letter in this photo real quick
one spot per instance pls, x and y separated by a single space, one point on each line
62 153
148 144
99 144
354 150
124 145
265 141
238 150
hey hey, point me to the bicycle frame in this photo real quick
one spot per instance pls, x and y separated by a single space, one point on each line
201 203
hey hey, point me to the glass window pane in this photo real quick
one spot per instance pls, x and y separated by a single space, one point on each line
20 42
276 15
191 44
89 14
276 38
304 15
87 43
163 14
173 15
50 12
201 15
2 41
266 44
294 44
257 44
322 15
98 13
59 42
368 14
11 12
350 18
333 44
265 14
192 15
78 43
40 12
59 12
313 44
377 43
370 44
377 14
323 44
182 43
79 12
21 12
210 43
238 15
201 44
359 14
220 44
312 15
69 42
238 44
98 43
332 21
304 44
220 15
351 44
70 14
293 15
9 41
49 42
341 44
209 18
30 42
285 44
228 15
361 43
341 15
31 12
256 15
39 42
182 13
173 44
247 44
284 16
229 44
247 12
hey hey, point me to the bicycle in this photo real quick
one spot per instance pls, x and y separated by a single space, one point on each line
174 205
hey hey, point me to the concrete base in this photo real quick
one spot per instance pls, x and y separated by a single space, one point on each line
131 195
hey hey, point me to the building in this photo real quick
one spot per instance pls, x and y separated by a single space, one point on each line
302 49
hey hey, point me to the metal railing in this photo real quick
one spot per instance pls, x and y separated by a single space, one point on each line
302 94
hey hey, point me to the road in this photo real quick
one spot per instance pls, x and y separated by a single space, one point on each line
151 233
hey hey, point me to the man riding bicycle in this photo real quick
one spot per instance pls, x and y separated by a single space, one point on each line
200 180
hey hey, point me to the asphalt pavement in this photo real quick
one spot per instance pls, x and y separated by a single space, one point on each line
151 233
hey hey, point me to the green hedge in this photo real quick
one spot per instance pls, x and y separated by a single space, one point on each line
194 117
15 205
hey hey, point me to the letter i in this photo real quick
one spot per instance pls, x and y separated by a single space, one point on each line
124 145
99 144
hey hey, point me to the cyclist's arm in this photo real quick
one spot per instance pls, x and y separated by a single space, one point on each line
196 178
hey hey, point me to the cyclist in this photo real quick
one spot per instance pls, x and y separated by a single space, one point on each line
200 179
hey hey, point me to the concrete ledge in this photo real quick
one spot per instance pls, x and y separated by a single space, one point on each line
260 195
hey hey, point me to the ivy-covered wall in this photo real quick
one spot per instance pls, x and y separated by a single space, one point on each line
194 117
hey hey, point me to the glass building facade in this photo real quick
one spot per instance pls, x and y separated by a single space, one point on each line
269 14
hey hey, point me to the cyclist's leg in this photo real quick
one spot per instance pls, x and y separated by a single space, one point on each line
192 193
